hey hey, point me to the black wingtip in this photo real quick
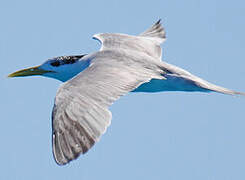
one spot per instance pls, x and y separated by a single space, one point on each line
159 21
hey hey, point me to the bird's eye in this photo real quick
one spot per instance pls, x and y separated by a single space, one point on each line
55 63
66 61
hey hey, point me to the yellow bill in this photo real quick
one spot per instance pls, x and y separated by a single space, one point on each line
29 72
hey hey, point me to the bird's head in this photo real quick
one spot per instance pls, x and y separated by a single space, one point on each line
62 68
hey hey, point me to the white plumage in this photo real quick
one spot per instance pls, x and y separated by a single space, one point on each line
93 82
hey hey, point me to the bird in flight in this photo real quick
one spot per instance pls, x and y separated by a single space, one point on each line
92 82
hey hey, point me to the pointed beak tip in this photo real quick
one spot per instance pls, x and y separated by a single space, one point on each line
28 72
10 75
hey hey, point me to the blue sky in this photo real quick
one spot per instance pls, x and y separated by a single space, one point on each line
152 136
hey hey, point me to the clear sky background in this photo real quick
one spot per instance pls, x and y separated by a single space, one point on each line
172 135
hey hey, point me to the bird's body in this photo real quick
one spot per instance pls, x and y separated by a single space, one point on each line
93 82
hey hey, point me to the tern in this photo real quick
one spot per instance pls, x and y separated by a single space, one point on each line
92 82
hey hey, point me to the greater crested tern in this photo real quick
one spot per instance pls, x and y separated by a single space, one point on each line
93 82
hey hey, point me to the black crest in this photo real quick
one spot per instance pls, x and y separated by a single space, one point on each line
62 60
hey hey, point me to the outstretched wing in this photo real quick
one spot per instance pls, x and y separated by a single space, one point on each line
80 114
147 42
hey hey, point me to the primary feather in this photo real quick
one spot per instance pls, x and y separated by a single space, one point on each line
81 114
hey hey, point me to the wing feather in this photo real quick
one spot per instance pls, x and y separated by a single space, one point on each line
80 114
156 31
147 42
